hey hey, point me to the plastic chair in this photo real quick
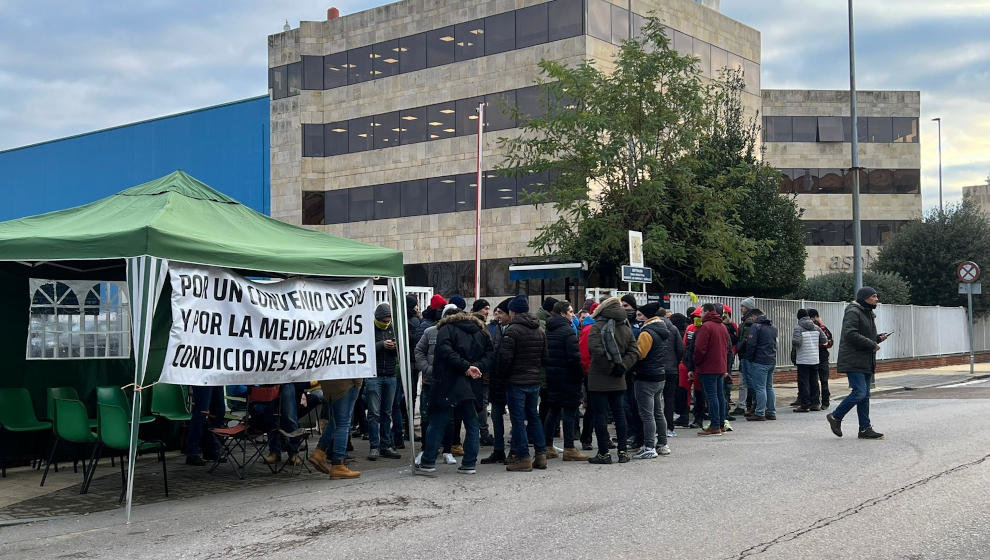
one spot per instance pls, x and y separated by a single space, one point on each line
169 402
17 415
68 393
115 434
71 425
115 395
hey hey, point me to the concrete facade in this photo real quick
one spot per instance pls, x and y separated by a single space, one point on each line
979 195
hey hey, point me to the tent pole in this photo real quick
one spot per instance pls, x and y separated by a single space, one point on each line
397 286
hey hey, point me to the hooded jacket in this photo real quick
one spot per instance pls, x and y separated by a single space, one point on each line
652 347
748 319
807 338
675 349
385 360
424 352
858 340
761 342
523 351
711 345
600 371
462 342
564 372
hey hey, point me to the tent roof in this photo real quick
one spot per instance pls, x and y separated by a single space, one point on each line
179 218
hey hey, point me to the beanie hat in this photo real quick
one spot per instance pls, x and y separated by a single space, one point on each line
519 304
458 301
478 305
548 303
450 309
696 312
802 313
650 310
411 303
383 310
748 303
727 309
594 306
865 293
588 303
437 302
504 305
630 299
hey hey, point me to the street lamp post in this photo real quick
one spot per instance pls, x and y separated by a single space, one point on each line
857 231
939 120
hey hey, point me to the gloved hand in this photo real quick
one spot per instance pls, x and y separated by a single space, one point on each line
618 370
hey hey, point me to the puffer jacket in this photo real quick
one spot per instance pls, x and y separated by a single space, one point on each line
858 340
761 346
807 337
424 353
748 319
462 342
652 346
675 349
564 373
711 345
523 351
385 360
600 371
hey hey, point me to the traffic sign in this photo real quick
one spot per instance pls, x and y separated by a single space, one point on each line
968 271
637 274
975 288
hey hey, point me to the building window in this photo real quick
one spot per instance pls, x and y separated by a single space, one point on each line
412 53
441 121
312 140
860 129
881 181
294 78
532 188
500 33
335 138
466 191
804 129
778 129
531 102
879 129
361 203
312 72
359 67
78 319
335 209
280 86
907 181
469 40
599 20
413 198
335 70
805 181
830 129
499 111
620 24
831 181
360 134
566 19
413 125
440 46
498 191
313 206
386 129
467 115
388 201
385 58
905 129
440 194
532 26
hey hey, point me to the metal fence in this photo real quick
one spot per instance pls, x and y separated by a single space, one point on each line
422 293
917 330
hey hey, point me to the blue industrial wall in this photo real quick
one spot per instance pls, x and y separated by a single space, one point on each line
226 147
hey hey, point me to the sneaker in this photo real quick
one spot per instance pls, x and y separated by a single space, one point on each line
373 455
390 453
694 425
869 433
466 470
835 424
449 459
605 459
425 471
624 456
755 418
646 453
671 433
663 450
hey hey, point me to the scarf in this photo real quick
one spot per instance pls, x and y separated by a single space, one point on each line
382 326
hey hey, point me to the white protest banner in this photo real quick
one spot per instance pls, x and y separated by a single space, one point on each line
228 330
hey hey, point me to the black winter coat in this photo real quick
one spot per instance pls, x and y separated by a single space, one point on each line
385 360
858 340
523 351
462 342
675 349
565 376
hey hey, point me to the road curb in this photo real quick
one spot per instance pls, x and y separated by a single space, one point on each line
895 389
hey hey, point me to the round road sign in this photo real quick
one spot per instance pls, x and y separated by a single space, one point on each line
968 272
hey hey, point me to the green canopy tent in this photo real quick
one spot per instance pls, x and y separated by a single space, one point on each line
136 232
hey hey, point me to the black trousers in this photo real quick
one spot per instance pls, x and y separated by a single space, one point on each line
823 369
808 390
669 392
554 415
602 402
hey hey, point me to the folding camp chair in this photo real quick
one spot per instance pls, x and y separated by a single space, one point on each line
244 441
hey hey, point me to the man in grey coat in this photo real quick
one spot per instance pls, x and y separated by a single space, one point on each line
806 339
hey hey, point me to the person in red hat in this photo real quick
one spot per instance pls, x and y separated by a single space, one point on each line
730 357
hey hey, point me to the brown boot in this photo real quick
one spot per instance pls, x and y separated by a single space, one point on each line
341 471
318 458
520 465
572 454
541 461
552 453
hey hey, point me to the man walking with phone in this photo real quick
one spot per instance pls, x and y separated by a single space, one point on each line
858 347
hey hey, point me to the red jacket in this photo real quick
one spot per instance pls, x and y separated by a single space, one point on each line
583 348
711 345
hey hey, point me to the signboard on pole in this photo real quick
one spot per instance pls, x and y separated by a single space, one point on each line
974 288
968 271
968 274
636 249
229 330
637 274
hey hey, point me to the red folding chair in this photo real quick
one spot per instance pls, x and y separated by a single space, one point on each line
244 441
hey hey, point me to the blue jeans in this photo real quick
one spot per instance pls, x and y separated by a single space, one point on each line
334 438
206 400
398 412
859 397
714 385
379 392
761 384
525 416
439 419
288 419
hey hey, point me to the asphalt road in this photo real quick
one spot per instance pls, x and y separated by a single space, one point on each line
785 489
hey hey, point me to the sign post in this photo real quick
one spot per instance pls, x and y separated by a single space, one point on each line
635 255
968 274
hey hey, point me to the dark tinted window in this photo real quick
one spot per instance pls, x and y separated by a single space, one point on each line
864 180
599 20
441 121
412 53
532 189
881 181
532 102
359 134
440 46
805 129
830 129
907 181
469 39
500 33
414 198
312 72
831 181
385 57
335 70
387 200
905 129
386 130
532 27
312 140
703 51
295 78
335 207
440 195
879 129
361 203
359 65
785 180
413 125
466 192
566 19
335 138
805 181
467 115
279 85
778 129
860 129
620 24
498 110
498 191
312 210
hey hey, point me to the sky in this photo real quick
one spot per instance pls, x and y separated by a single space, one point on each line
74 67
